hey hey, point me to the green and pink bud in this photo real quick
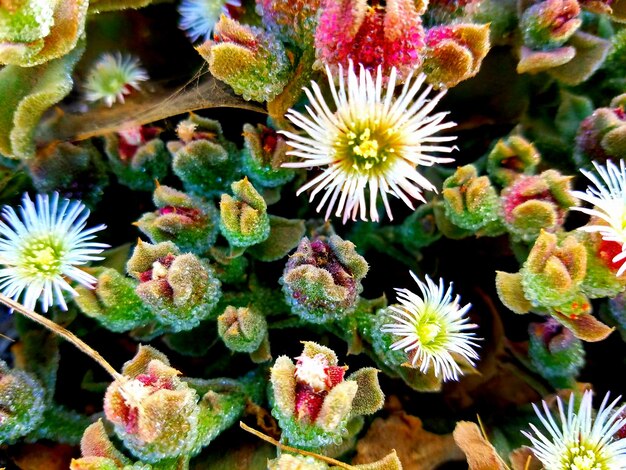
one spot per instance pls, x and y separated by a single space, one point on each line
153 412
322 279
191 223
180 289
454 53
535 203
242 329
313 401
602 136
549 24
264 152
511 157
113 302
137 156
203 159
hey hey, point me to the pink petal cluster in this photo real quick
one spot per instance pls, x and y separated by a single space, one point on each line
390 36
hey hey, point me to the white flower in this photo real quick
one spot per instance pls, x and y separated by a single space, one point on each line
581 441
112 77
313 371
609 200
434 327
371 140
198 17
42 247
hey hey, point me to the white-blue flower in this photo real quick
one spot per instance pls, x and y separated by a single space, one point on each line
582 440
198 17
433 329
42 248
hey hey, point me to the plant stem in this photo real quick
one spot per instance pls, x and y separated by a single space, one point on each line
266 438
68 335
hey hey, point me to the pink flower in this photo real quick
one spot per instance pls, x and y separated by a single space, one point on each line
390 36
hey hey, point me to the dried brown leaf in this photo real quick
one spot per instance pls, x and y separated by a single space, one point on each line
481 455
416 448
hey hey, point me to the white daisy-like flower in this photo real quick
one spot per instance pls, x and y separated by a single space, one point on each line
112 77
372 140
198 17
608 196
433 328
42 247
581 441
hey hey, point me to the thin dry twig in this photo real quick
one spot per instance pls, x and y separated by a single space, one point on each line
68 335
266 438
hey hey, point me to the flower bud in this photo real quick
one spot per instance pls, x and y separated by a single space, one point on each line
180 289
555 352
389 36
601 136
243 218
204 160
454 53
21 403
137 156
97 450
549 24
192 224
242 329
322 279
253 62
153 412
470 200
554 270
535 203
263 154
312 400
510 158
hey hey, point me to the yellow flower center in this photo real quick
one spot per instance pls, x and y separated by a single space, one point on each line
583 457
365 148
42 256
428 332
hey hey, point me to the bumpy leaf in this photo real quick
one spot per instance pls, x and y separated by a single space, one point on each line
26 93
284 236
99 6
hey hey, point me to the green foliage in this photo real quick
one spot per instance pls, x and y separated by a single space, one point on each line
114 302
257 73
27 93
22 403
